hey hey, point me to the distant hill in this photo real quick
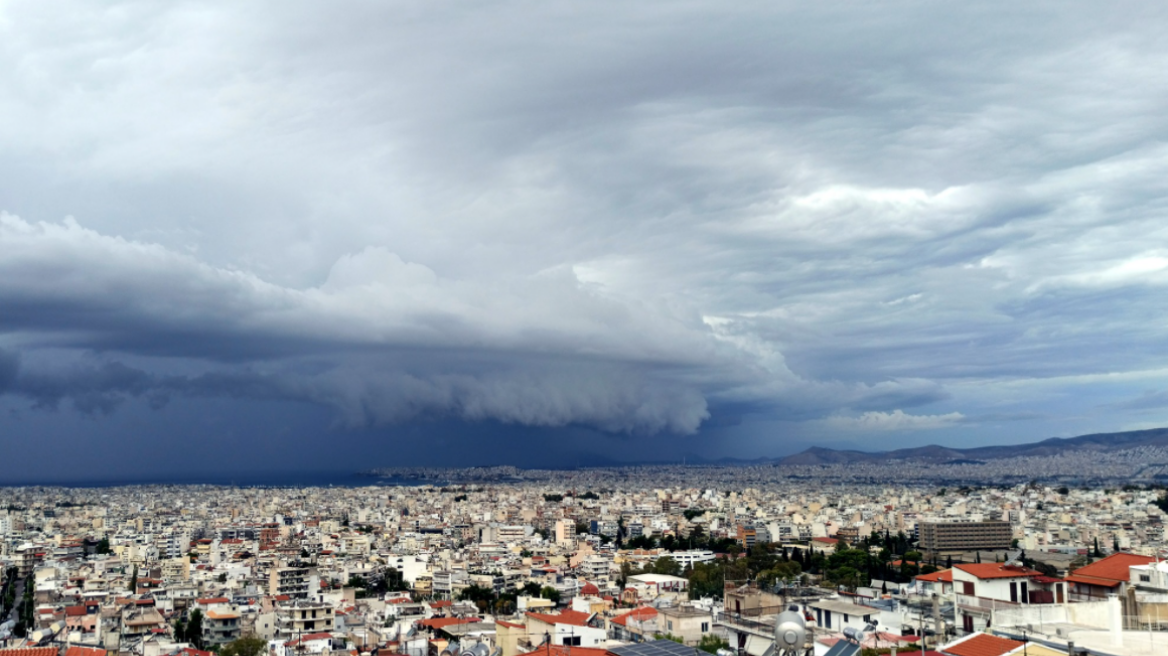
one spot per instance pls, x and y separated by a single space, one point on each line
1096 442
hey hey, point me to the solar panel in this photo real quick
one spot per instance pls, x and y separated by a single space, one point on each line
843 648
656 648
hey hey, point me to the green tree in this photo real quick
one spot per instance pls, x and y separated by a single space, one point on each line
711 643
666 565
477 593
246 646
669 636
103 546
706 580
548 592
194 632
134 580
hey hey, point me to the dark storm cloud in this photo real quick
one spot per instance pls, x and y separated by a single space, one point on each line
878 217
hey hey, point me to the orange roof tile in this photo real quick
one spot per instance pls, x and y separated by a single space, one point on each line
1091 580
573 617
84 651
997 571
29 651
308 638
943 576
510 625
982 644
441 622
640 614
1113 568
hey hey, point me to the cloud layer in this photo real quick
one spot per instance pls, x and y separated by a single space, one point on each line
638 219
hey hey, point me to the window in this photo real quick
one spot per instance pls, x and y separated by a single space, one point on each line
669 625
572 641
705 627
1145 578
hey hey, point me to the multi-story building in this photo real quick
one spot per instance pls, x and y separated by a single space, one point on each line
958 537
301 618
747 535
692 557
296 582
220 626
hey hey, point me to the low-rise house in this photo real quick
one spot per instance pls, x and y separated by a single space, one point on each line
685 622
983 588
636 625
1107 576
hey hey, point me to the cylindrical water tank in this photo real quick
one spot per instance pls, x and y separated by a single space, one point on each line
790 630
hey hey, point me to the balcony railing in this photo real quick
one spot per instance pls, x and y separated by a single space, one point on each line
749 624
971 602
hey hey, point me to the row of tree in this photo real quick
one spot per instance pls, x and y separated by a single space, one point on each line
769 564
486 599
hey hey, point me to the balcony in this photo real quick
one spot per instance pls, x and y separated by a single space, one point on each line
744 624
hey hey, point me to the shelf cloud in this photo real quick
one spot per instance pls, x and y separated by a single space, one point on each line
769 224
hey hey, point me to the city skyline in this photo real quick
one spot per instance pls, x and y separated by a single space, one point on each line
296 237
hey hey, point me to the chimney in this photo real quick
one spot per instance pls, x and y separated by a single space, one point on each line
1115 620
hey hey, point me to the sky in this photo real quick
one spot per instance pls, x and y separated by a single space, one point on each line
301 235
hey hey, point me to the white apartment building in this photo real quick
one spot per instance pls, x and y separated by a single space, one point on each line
692 557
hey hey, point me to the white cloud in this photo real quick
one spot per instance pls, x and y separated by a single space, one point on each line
897 420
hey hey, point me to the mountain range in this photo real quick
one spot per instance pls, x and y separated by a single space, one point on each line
1056 445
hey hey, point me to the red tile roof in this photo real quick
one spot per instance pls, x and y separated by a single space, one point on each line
943 576
640 614
309 638
29 651
1110 571
573 617
997 571
84 651
981 644
510 625
442 622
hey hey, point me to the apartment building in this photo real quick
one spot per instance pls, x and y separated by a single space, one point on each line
302 618
959 537
220 626
296 582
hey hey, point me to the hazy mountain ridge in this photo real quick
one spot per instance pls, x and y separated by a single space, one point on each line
935 453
